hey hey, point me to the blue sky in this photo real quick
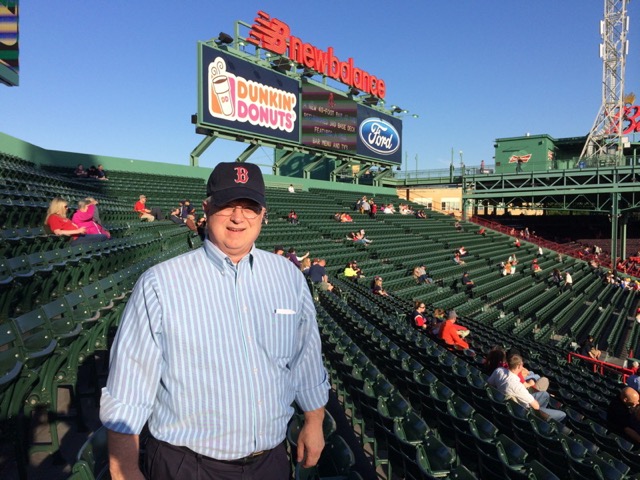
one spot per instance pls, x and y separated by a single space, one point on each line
119 78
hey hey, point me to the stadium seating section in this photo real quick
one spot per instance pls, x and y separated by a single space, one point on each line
419 409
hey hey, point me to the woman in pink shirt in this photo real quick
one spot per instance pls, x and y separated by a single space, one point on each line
84 218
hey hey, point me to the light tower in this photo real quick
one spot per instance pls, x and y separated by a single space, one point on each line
605 138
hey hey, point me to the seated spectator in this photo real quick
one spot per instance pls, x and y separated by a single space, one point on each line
92 172
482 231
418 317
389 209
377 288
450 334
305 265
540 252
100 173
458 226
535 268
345 218
187 210
462 251
513 260
556 277
622 415
457 260
589 348
291 188
360 238
175 217
507 382
352 272
80 171
421 214
291 255
141 209
365 207
508 269
57 221
633 380
318 274
468 284
530 379
420 275
292 217
496 358
439 317
516 243
85 217
278 250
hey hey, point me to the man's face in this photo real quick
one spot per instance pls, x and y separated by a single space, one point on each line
230 230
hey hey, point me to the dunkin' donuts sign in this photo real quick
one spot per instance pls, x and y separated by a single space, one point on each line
235 98
274 35
240 95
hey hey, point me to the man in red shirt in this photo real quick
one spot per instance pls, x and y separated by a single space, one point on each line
449 331
142 210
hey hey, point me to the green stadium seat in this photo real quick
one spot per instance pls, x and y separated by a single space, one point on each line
92 462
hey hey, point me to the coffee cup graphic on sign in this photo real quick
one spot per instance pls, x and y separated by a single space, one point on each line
220 87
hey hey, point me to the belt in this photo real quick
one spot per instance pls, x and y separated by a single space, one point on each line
248 460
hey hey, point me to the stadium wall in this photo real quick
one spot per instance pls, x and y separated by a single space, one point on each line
40 156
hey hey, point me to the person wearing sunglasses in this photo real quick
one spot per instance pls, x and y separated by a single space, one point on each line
57 221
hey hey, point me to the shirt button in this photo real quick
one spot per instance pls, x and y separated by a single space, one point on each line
245 309
255 370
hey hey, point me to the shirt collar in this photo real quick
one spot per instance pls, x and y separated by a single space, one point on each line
220 260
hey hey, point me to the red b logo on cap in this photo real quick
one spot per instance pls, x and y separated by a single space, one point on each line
242 175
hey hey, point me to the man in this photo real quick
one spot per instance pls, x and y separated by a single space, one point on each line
622 415
633 380
142 210
507 382
278 250
453 334
568 282
215 374
468 284
318 274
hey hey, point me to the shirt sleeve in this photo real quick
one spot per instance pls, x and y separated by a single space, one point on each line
309 375
136 361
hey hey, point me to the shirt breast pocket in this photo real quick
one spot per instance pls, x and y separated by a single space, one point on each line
279 335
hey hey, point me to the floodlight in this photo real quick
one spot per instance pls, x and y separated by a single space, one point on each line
370 100
225 38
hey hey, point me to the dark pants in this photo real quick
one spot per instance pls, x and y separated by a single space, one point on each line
167 462
98 237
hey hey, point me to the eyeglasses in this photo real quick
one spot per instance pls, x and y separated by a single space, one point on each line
66 207
250 213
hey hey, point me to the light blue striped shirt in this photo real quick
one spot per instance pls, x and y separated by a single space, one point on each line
213 354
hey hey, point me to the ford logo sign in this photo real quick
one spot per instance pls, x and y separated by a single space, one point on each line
379 136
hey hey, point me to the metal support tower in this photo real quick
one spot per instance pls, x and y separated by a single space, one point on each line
605 138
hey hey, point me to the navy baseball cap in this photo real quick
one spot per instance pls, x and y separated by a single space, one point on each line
234 181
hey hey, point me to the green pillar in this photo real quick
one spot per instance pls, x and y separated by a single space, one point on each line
614 229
